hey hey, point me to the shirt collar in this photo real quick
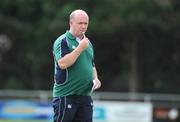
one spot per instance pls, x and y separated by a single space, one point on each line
78 39
69 35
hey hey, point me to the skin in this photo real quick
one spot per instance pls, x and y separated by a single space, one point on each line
78 23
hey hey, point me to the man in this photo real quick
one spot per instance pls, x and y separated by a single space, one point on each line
75 74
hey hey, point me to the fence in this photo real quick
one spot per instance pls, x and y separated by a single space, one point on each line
165 106
45 96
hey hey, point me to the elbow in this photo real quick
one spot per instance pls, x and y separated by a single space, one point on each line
62 65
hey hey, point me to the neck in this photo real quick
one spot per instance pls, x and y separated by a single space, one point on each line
76 36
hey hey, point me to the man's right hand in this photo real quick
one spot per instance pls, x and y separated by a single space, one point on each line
70 58
84 43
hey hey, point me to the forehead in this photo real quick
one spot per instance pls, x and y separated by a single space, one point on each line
80 16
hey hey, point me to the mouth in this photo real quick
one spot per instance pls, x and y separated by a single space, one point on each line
83 31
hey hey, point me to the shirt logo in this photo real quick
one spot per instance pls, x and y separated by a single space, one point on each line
73 47
91 103
69 106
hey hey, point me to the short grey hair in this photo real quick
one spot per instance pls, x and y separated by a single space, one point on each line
72 15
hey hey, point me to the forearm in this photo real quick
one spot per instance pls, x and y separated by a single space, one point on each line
95 73
69 58
96 81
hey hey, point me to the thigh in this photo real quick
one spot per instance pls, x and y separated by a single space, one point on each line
63 112
85 111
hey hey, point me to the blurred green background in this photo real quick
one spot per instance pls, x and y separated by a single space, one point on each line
136 42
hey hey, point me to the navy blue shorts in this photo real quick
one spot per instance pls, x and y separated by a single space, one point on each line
73 109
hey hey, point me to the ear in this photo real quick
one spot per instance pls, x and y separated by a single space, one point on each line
70 22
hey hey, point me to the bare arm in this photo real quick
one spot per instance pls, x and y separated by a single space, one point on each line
95 73
71 57
97 82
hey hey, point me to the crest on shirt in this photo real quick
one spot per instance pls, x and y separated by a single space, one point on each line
73 47
69 106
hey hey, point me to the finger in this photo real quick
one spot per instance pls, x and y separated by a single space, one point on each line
96 86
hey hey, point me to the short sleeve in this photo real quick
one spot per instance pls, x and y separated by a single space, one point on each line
60 48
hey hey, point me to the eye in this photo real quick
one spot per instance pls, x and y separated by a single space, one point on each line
83 23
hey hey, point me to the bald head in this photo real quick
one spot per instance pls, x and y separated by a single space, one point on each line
78 21
76 13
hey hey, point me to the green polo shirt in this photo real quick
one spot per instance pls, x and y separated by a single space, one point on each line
76 79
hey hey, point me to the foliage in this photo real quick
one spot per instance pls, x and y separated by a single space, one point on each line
136 42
